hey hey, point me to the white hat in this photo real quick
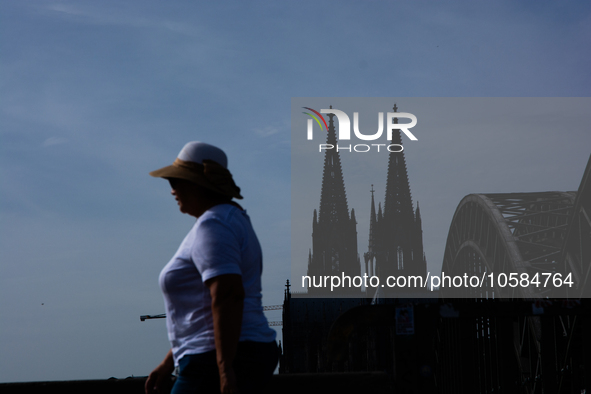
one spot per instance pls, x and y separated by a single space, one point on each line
204 164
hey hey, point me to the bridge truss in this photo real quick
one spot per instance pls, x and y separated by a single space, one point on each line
520 233
546 233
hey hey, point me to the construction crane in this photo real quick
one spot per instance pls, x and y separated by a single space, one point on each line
265 308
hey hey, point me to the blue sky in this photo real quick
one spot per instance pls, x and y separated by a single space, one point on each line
94 95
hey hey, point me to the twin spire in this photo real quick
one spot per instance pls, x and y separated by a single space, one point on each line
395 234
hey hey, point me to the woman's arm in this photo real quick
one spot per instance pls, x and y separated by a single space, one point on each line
160 376
227 301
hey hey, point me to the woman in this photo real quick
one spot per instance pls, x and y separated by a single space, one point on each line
220 338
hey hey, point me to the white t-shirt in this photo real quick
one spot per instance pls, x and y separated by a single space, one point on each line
222 241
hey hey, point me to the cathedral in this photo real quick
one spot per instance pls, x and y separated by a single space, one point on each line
395 236
395 248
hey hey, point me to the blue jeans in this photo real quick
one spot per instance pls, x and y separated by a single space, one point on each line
254 365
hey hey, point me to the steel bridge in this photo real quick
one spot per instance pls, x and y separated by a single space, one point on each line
537 235
521 233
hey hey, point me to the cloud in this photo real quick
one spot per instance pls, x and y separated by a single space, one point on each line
54 141
66 9
267 131
123 17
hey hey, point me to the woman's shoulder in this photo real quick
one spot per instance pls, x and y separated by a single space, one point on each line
222 212
226 214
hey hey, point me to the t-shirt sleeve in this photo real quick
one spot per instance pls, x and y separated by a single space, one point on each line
216 250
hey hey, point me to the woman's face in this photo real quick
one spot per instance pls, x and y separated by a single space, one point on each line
188 196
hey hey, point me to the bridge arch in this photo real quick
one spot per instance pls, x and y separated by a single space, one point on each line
519 233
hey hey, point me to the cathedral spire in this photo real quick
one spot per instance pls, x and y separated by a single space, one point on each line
398 201
371 248
333 199
397 231
372 222
334 230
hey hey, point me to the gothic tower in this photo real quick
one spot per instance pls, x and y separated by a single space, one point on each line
396 236
371 254
334 232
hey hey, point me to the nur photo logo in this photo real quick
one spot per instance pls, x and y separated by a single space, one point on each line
344 129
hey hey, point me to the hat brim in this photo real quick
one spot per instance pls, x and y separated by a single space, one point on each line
173 171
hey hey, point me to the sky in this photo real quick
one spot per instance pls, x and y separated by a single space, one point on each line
94 95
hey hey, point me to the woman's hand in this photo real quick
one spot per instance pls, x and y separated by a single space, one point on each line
159 378
228 384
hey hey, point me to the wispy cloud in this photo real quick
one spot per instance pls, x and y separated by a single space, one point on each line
65 8
54 141
102 16
267 131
